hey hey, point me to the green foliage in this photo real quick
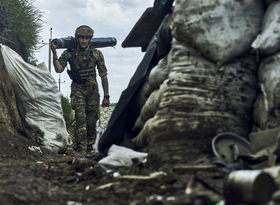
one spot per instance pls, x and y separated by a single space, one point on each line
25 21
113 104
68 113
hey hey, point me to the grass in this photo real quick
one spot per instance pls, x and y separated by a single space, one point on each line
25 21
68 113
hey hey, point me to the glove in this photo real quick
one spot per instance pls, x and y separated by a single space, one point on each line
105 102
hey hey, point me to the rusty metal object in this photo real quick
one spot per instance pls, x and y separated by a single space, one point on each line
249 187
229 146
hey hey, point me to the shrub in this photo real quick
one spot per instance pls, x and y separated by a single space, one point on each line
68 113
25 21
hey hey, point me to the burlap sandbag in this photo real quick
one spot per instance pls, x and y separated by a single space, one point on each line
264 119
200 101
268 41
269 79
150 107
220 29
157 75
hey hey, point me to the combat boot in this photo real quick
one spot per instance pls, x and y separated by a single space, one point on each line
90 141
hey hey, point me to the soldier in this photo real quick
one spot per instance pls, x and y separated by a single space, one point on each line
84 87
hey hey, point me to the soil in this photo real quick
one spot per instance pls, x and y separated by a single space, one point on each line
31 177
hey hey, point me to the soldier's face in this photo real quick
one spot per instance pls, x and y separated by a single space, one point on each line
84 41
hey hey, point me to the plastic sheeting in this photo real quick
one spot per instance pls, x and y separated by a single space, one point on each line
119 156
38 100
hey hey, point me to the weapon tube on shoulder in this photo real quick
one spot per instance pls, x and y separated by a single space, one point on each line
69 42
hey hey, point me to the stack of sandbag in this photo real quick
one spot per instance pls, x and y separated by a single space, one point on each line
201 100
155 78
267 45
211 81
151 92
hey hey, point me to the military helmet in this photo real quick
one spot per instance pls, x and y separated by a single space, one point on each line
84 30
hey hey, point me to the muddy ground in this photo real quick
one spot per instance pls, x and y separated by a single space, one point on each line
31 177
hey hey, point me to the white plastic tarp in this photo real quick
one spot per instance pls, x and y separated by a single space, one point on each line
119 156
38 99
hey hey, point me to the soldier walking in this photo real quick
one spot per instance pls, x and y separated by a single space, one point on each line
84 96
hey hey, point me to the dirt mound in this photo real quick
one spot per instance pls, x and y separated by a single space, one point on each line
62 179
30 175
11 128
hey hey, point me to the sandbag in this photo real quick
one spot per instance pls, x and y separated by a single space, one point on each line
264 119
222 30
155 78
260 114
201 100
143 138
150 107
39 101
269 79
268 41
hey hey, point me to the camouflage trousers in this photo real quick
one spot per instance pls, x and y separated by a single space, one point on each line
85 102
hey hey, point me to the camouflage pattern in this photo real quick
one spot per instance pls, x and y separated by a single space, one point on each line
84 96
81 59
85 102
84 31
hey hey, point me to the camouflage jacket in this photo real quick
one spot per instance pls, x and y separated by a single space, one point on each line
84 60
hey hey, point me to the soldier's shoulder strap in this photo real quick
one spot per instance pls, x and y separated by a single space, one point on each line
94 53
